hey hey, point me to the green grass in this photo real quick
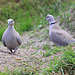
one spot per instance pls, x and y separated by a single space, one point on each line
4 74
52 51
64 63
28 14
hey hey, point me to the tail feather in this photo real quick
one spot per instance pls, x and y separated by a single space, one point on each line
73 41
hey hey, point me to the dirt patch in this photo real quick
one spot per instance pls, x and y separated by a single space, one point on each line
22 57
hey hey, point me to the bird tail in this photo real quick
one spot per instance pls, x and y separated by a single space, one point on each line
73 41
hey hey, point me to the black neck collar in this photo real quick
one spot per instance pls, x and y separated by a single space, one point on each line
53 23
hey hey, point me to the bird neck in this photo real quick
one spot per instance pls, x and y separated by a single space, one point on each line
50 28
52 22
11 27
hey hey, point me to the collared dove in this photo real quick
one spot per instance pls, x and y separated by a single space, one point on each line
59 36
11 38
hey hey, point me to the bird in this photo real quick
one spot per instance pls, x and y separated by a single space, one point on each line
11 38
59 36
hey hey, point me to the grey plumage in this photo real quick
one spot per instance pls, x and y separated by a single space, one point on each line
11 38
58 35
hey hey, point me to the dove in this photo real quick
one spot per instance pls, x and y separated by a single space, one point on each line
11 38
59 36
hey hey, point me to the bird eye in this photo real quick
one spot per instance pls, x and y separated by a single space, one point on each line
11 21
47 16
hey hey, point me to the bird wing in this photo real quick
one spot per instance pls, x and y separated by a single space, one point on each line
3 42
3 39
61 37
19 40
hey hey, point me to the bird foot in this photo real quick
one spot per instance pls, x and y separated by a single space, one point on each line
11 52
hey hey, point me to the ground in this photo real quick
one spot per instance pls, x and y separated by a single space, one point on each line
33 42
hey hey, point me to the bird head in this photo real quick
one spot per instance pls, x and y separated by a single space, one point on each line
50 19
10 22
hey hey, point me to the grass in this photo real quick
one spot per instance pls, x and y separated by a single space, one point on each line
65 63
29 14
52 51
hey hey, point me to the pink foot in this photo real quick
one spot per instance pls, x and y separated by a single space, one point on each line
11 52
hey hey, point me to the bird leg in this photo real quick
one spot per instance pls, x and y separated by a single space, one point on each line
10 50
15 50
